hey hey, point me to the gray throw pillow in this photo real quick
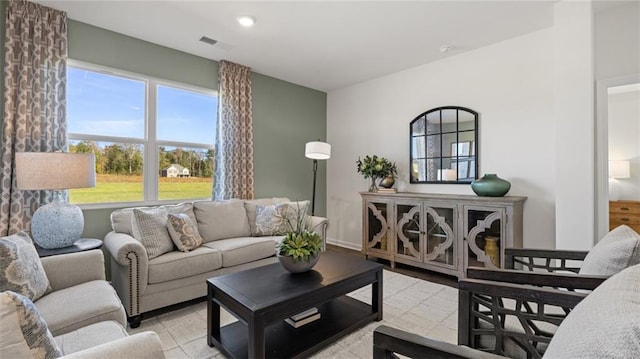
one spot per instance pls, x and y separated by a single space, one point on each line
150 228
20 268
270 220
23 331
606 324
618 250
184 232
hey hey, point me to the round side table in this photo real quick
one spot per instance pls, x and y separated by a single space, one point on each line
81 245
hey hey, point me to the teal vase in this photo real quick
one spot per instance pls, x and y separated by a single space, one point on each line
490 185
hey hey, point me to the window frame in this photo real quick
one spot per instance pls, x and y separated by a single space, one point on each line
150 142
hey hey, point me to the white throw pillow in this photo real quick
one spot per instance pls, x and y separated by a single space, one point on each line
23 333
606 324
20 268
618 250
270 219
184 232
297 210
150 228
250 206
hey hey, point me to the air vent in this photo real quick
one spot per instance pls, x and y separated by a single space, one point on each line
208 40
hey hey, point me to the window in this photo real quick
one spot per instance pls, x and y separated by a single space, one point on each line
153 140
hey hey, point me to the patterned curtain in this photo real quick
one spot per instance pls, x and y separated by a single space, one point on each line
233 167
34 120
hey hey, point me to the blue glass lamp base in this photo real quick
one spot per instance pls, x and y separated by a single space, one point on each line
57 225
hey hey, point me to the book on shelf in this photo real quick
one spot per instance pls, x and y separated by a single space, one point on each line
388 190
303 321
306 313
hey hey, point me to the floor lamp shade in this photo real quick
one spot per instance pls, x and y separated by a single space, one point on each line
57 224
316 150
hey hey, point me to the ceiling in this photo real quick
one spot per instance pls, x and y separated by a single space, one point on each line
323 45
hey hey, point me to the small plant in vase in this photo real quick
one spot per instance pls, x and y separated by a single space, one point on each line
375 167
300 248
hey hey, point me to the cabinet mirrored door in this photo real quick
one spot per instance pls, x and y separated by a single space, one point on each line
440 236
409 231
484 229
377 224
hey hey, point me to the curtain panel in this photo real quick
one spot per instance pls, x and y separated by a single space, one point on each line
35 102
233 166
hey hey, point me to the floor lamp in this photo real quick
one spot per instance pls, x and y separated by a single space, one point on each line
316 150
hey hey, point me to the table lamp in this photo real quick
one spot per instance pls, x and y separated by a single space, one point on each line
57 224
316 150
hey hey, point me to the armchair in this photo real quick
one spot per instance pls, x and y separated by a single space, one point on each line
606 323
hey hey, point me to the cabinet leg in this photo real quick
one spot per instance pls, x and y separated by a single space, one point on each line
393 265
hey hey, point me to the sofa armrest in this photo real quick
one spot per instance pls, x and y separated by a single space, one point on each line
67 270
129 269
141 345
320 225
387 340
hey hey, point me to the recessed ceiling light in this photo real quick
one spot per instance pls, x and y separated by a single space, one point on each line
246 20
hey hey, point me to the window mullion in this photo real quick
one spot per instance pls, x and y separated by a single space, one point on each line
151 149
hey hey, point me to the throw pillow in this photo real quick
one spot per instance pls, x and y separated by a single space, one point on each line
270 220
24 334
150 228
20 268
606 324
296 211
618 250
184 232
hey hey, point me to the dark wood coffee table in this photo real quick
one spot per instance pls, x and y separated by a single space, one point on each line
262 297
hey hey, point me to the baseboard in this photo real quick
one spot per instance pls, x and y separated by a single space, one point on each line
339 243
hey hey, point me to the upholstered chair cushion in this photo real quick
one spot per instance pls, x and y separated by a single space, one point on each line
150 228
184 232
270 220
24 334
221 219
618 250
606 324
20 268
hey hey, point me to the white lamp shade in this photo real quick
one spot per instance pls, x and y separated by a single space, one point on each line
317 150
55 170
619 169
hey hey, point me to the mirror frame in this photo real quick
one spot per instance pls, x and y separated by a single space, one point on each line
602 150
472 158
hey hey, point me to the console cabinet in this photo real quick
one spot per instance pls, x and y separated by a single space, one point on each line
443 233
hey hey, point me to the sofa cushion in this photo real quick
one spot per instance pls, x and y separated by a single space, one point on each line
617 250
71 308
150 228
250 206
23 333
237 251
20 269
183 232
606 324
270 220
90 336
297 212
221 219
176 265
121 220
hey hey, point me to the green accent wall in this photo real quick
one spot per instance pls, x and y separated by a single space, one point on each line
285 115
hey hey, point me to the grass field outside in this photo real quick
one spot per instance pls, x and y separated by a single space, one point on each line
117 188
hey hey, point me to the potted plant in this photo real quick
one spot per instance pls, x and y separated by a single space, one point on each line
376 167
300 248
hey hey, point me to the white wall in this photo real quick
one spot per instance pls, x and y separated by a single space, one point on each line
511 86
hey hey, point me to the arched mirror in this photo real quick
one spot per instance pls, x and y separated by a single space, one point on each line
444 146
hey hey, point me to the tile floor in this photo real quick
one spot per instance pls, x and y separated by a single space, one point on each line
411 304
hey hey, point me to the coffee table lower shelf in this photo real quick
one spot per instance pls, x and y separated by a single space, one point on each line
339 317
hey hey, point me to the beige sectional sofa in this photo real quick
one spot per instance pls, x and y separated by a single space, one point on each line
230 244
